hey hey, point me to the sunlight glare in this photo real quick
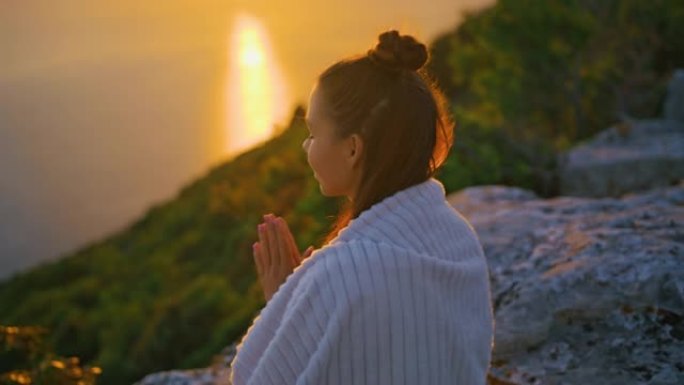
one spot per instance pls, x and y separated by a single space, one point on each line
255 89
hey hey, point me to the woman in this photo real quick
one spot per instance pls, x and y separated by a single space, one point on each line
399 293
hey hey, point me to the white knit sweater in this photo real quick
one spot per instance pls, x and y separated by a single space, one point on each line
400 296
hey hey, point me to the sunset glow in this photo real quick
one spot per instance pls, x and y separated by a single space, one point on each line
255 89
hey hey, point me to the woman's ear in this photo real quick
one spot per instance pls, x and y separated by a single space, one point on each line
355 150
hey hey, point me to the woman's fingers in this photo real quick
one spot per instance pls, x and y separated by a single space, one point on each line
272 239
278 245
283 247
279 252
256 252
291 245
287 242
288 235
263 244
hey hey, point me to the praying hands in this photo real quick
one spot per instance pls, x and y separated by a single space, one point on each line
275 254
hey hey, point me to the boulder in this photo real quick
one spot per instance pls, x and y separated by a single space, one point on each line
674 104
585 291
631 156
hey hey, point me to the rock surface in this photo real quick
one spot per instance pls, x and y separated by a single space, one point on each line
585 291
215 374
645 154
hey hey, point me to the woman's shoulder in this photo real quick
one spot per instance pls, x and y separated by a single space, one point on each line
359 257
347 273
363 270
363 261
342 258
341 255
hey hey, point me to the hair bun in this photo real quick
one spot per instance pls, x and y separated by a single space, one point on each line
398 52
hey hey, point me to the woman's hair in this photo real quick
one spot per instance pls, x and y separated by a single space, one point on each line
387 98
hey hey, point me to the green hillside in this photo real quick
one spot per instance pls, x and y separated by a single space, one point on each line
526 79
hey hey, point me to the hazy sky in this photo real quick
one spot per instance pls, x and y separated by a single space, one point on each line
109 107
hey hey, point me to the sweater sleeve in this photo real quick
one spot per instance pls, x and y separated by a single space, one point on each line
363 315
307 347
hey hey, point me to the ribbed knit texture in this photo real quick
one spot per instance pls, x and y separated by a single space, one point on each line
400 296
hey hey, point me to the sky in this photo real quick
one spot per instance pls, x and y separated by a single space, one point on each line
107 108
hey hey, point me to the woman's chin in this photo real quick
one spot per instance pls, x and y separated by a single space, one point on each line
324 190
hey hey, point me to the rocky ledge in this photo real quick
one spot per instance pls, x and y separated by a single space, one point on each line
585 291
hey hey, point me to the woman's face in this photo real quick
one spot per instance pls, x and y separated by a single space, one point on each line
334 161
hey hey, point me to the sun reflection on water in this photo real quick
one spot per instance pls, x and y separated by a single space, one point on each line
255 89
